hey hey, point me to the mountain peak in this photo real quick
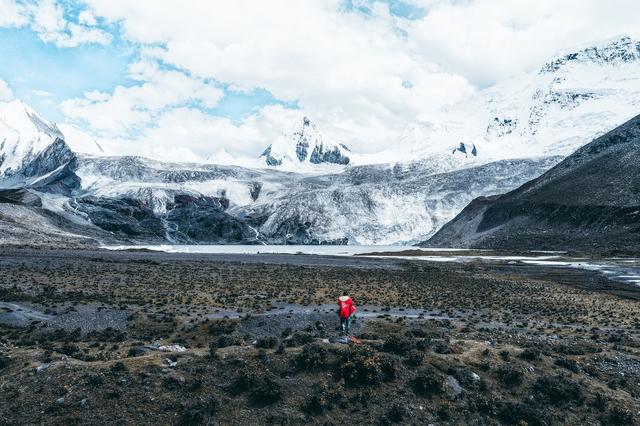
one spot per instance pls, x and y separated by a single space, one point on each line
23 135
622 49
20 117
304 143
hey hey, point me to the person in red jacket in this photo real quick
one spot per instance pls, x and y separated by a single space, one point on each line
346 309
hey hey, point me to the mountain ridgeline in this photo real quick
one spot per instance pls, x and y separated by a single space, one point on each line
305 189
588 202
138 200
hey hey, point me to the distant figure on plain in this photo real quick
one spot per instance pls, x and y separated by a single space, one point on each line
346 309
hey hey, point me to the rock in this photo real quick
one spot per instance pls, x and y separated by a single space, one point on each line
177 378
166 348
453 384
44 367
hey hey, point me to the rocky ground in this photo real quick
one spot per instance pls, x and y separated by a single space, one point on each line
94 337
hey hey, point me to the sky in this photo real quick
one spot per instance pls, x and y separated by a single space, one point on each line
181 80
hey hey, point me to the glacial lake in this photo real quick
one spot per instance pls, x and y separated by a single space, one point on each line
618 269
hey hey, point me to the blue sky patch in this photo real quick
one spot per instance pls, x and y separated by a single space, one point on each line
33 69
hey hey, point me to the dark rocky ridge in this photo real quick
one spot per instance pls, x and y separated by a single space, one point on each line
588 202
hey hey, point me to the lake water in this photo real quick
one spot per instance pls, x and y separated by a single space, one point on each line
619 269
275 249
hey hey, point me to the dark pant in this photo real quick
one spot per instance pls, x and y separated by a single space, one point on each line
345 325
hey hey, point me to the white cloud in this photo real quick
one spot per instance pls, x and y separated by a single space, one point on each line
189 134
48 21
5 91
130 109
362 76
12 14
346 70
46 18
86 18
489 40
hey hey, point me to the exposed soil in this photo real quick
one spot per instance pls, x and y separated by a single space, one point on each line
82 335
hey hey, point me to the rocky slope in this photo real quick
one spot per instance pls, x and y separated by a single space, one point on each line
379 204
590 201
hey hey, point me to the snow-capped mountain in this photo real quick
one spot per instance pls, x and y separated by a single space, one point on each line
588 202
304 144
138 199
299 190
573 98
23 136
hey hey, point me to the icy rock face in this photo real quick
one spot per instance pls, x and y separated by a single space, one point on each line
304 144
620 51
381 204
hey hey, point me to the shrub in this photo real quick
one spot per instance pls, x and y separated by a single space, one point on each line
444 412
196 412
118 367
135 351
414 358
398 412
69 349
558 390
389 365
509 376
267 342
241 382
620 416
213 350
316 404
220 327
398 344
225 341
323 399
441 346
530 354
299 338
428 382
363 367
599 402
312 357
465 376
569 364
516 413
266 390
361 372
4 361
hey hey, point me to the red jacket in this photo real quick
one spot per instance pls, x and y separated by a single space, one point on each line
345 306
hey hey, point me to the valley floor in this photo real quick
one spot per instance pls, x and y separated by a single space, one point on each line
97 337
